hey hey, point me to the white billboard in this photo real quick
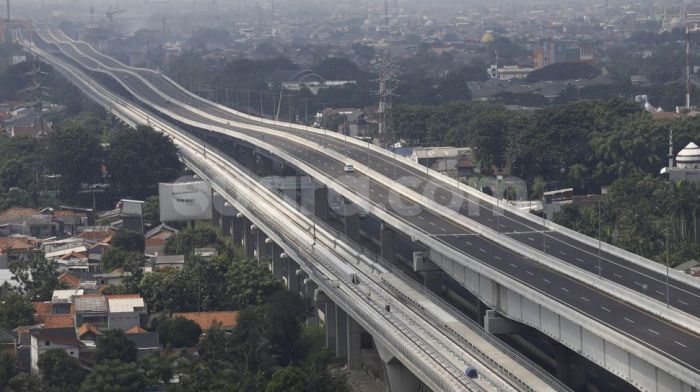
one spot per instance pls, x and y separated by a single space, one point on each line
184 201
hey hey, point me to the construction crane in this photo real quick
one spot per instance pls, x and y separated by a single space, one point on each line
110 14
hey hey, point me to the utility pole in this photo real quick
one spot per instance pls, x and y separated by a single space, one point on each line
8 11
387 74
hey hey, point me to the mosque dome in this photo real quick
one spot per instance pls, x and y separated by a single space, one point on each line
487 38
689 157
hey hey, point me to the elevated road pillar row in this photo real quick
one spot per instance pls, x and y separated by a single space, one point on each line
262 247
341 333
310 288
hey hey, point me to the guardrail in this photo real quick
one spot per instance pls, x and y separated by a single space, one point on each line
625 342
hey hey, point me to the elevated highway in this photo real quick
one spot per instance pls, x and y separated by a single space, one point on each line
410 336
599 318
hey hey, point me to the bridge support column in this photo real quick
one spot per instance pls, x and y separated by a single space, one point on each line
341 333
310 288
398 377
387 241
499 325
568 370
226 225
321 202
216 202
292 278
354 344
262 248
248 239
352 227
329 324
277 270
263 165
246 156
237 228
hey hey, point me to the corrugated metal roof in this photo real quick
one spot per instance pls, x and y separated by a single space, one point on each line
125 305
91 304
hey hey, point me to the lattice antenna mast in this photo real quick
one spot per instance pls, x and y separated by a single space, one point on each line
387 81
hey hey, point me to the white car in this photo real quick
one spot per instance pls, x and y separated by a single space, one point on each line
349 168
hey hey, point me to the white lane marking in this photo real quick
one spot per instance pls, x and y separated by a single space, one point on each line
497 258
565 289
683 302
585 299
530 273
530 238
638 284
658 292
631 321
421 217
489 219
680 344
652 331
562 252
468 243
579 259
547 280
619 276
443 229
605 309
482 250
513 265
432 223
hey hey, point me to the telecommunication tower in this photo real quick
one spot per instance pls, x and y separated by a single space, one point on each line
387 81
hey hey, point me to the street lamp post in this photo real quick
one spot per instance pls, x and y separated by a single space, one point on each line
600 259
498 197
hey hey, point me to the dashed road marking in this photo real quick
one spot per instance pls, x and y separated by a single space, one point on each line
585 299
562 252
683 302
619 276
565 289
530 273
631 321
547 280
652 331
680 344
482 250
579 259
513 265
605 309
496 257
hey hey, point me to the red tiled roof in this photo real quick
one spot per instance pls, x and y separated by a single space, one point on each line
41 308
136 330
87 327
63 213
73 255
55 320
17 212
207 320
70 280
116 296
14 243
96 235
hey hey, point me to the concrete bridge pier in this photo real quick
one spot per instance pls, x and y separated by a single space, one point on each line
249 238
499 325
398 378
341 333
277 268
263 165
217 203
310 289
237 228
292 277
321 202
387 242
351 220
246 156
262 246
329 323
226 225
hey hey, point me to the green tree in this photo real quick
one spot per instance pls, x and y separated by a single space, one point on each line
138 159
159 368
114 345
15 310
119 258
250 283
37 276
151 211
115 376
59 371
129 241
75 154
284 314
11 379
185 241
178 332
171 290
